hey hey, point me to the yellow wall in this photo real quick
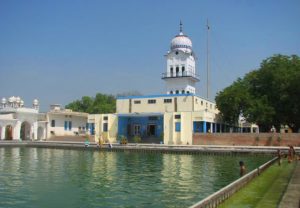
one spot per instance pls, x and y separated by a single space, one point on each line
98 120
186 132
184 104
186 128
191 108
168 128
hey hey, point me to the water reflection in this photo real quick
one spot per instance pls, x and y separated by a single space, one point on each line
38 177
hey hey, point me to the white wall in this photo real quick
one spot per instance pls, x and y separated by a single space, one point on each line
59 129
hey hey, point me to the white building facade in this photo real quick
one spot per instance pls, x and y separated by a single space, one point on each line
18 122
180 75
65 122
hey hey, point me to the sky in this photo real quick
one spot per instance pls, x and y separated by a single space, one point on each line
60 50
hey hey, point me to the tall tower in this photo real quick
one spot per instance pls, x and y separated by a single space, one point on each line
180 76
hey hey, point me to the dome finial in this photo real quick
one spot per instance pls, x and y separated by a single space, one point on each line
180 27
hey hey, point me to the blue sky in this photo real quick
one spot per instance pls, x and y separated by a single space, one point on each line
60 50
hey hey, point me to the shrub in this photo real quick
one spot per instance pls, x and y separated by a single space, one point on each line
123 140
137 139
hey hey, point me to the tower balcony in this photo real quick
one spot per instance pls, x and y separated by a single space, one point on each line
191 75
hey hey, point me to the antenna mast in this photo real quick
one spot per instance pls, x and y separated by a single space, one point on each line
207 62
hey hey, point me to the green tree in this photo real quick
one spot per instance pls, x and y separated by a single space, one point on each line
232 101
101 103
270 95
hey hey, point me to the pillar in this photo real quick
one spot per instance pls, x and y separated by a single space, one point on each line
16 130
204 126
3 132
35 130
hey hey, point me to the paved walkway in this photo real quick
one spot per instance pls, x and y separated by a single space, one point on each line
291 198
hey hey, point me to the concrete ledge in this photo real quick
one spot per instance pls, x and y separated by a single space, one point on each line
185 149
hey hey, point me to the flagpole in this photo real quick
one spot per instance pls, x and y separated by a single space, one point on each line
207 61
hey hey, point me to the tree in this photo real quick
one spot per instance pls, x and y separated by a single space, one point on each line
101 103
129 93
267 96
232 101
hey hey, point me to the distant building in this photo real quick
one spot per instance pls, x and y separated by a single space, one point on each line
23 123
65 122
103 126
168 118
19 122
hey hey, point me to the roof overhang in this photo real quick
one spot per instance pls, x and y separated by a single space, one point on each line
140 114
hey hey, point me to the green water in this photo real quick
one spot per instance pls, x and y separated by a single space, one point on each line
39 177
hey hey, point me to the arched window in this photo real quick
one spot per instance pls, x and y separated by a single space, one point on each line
171 71
183 70
188 92
177 91
182 91
177 71
171 92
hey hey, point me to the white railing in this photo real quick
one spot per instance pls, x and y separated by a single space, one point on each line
220 196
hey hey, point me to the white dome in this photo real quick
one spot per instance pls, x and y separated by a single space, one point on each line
11 99
181 42
18 99
35 102
3 100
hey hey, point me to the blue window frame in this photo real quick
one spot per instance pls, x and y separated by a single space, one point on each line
105 127
178 126
70 125
52 123
66 125
92 128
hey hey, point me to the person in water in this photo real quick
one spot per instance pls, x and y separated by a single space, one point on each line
291 153
279 155
242 168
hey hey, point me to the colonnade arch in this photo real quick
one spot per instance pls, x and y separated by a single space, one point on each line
9 132
25 131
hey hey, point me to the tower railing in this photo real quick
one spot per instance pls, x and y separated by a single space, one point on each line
167 75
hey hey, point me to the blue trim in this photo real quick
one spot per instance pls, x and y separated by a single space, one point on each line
126 125
177 126
204 127
66 125
70 125
139 114
105 127
198 127
162 95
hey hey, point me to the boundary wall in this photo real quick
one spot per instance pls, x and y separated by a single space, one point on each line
247 139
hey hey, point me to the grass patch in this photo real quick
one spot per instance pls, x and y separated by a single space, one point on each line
265 190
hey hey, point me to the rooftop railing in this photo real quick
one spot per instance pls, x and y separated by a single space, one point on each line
180 74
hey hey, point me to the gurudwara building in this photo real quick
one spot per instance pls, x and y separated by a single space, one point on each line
171 118
18 122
